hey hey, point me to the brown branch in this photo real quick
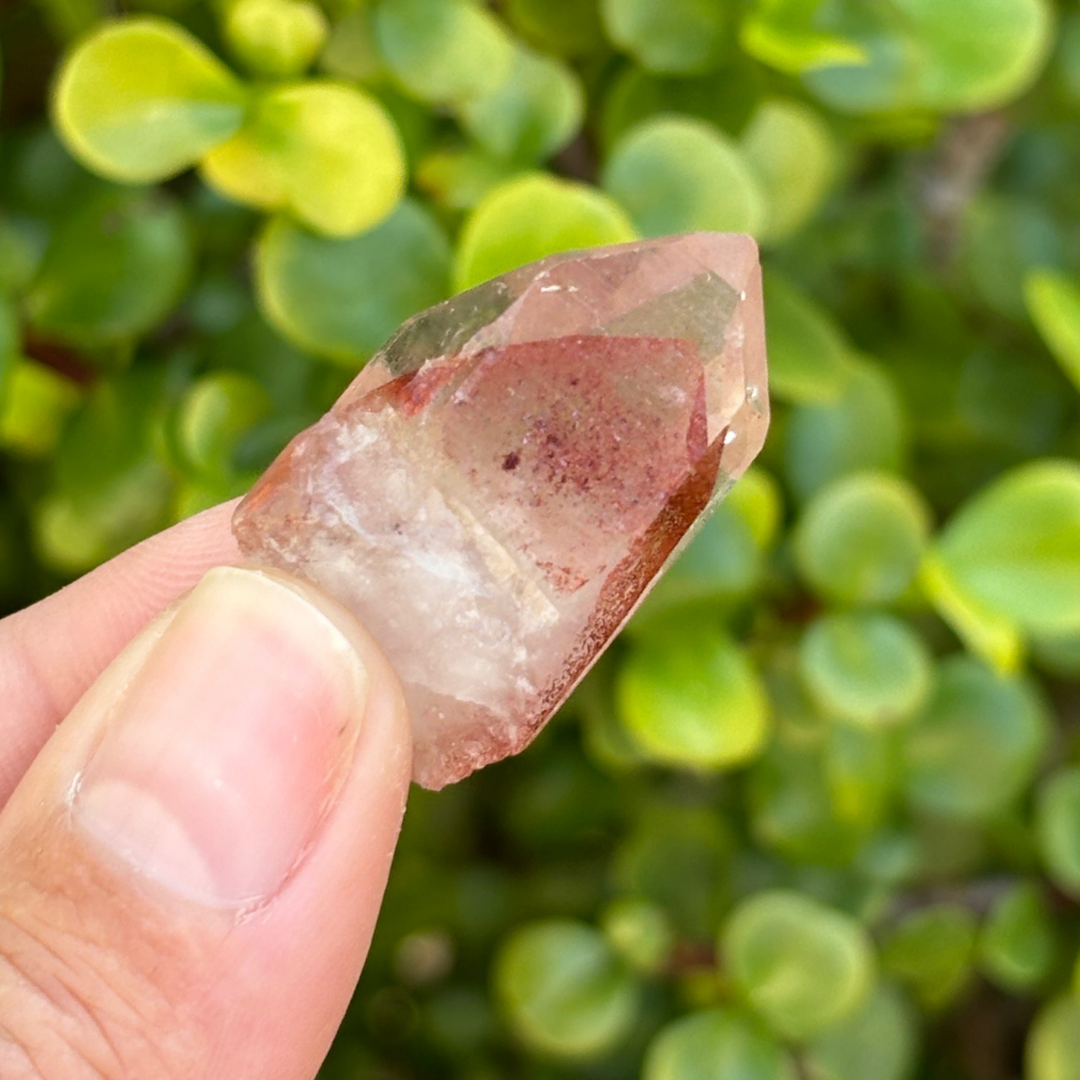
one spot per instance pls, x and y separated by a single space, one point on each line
967 152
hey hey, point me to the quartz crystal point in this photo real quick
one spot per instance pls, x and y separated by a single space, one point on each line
497 489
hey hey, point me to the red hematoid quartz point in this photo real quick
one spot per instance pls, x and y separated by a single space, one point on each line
495 492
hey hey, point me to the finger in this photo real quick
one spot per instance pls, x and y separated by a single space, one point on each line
191 869
51 652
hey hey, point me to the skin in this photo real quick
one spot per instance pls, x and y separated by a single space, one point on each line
104 972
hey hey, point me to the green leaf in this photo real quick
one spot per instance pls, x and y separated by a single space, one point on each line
1014 548
860 771
977 745
279 38
725 98
35 405
351 51
212 417
959 56
563 989
870 669
113 269
1053 301
693 701
536 112
109 490
864 428
563 27
861 538
532 216
679 37
792 151
640 931
808 356
781 33
803 966
1058 828
679 857
1018 942
804 802
933 951
10 337
324 150
343 298
675 174
459 179
443 51
1053 1045
987 633
879 1041
716 1045
21 244
140 100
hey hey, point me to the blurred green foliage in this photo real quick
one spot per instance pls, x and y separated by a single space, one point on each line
816 815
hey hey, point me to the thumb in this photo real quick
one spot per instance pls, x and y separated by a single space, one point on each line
191 869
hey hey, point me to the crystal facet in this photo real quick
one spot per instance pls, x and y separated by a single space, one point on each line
497 489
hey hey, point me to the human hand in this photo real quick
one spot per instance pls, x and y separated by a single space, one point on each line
199 810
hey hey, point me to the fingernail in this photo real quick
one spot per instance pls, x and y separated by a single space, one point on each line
229 744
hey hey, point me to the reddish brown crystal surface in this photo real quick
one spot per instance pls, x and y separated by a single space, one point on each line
495 492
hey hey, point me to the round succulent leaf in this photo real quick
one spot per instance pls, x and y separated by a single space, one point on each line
1018 942
677 37
563 27
861 774
941 55
536 112
351 51
677 174
563 989
1053 1044
725 98
863 429
867 668
693 701
640 931
216 411
716 1045
280 38
35 404
529 217
804 805
1053 302
781 33
861 538
10 336
326 151
987 633
1057 824
976 746
791 149
113 269
443 51
801 964
343 298
1015 547
459 179
140 100
680 858
879 1041
932 951
109 489
808 356
757 499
